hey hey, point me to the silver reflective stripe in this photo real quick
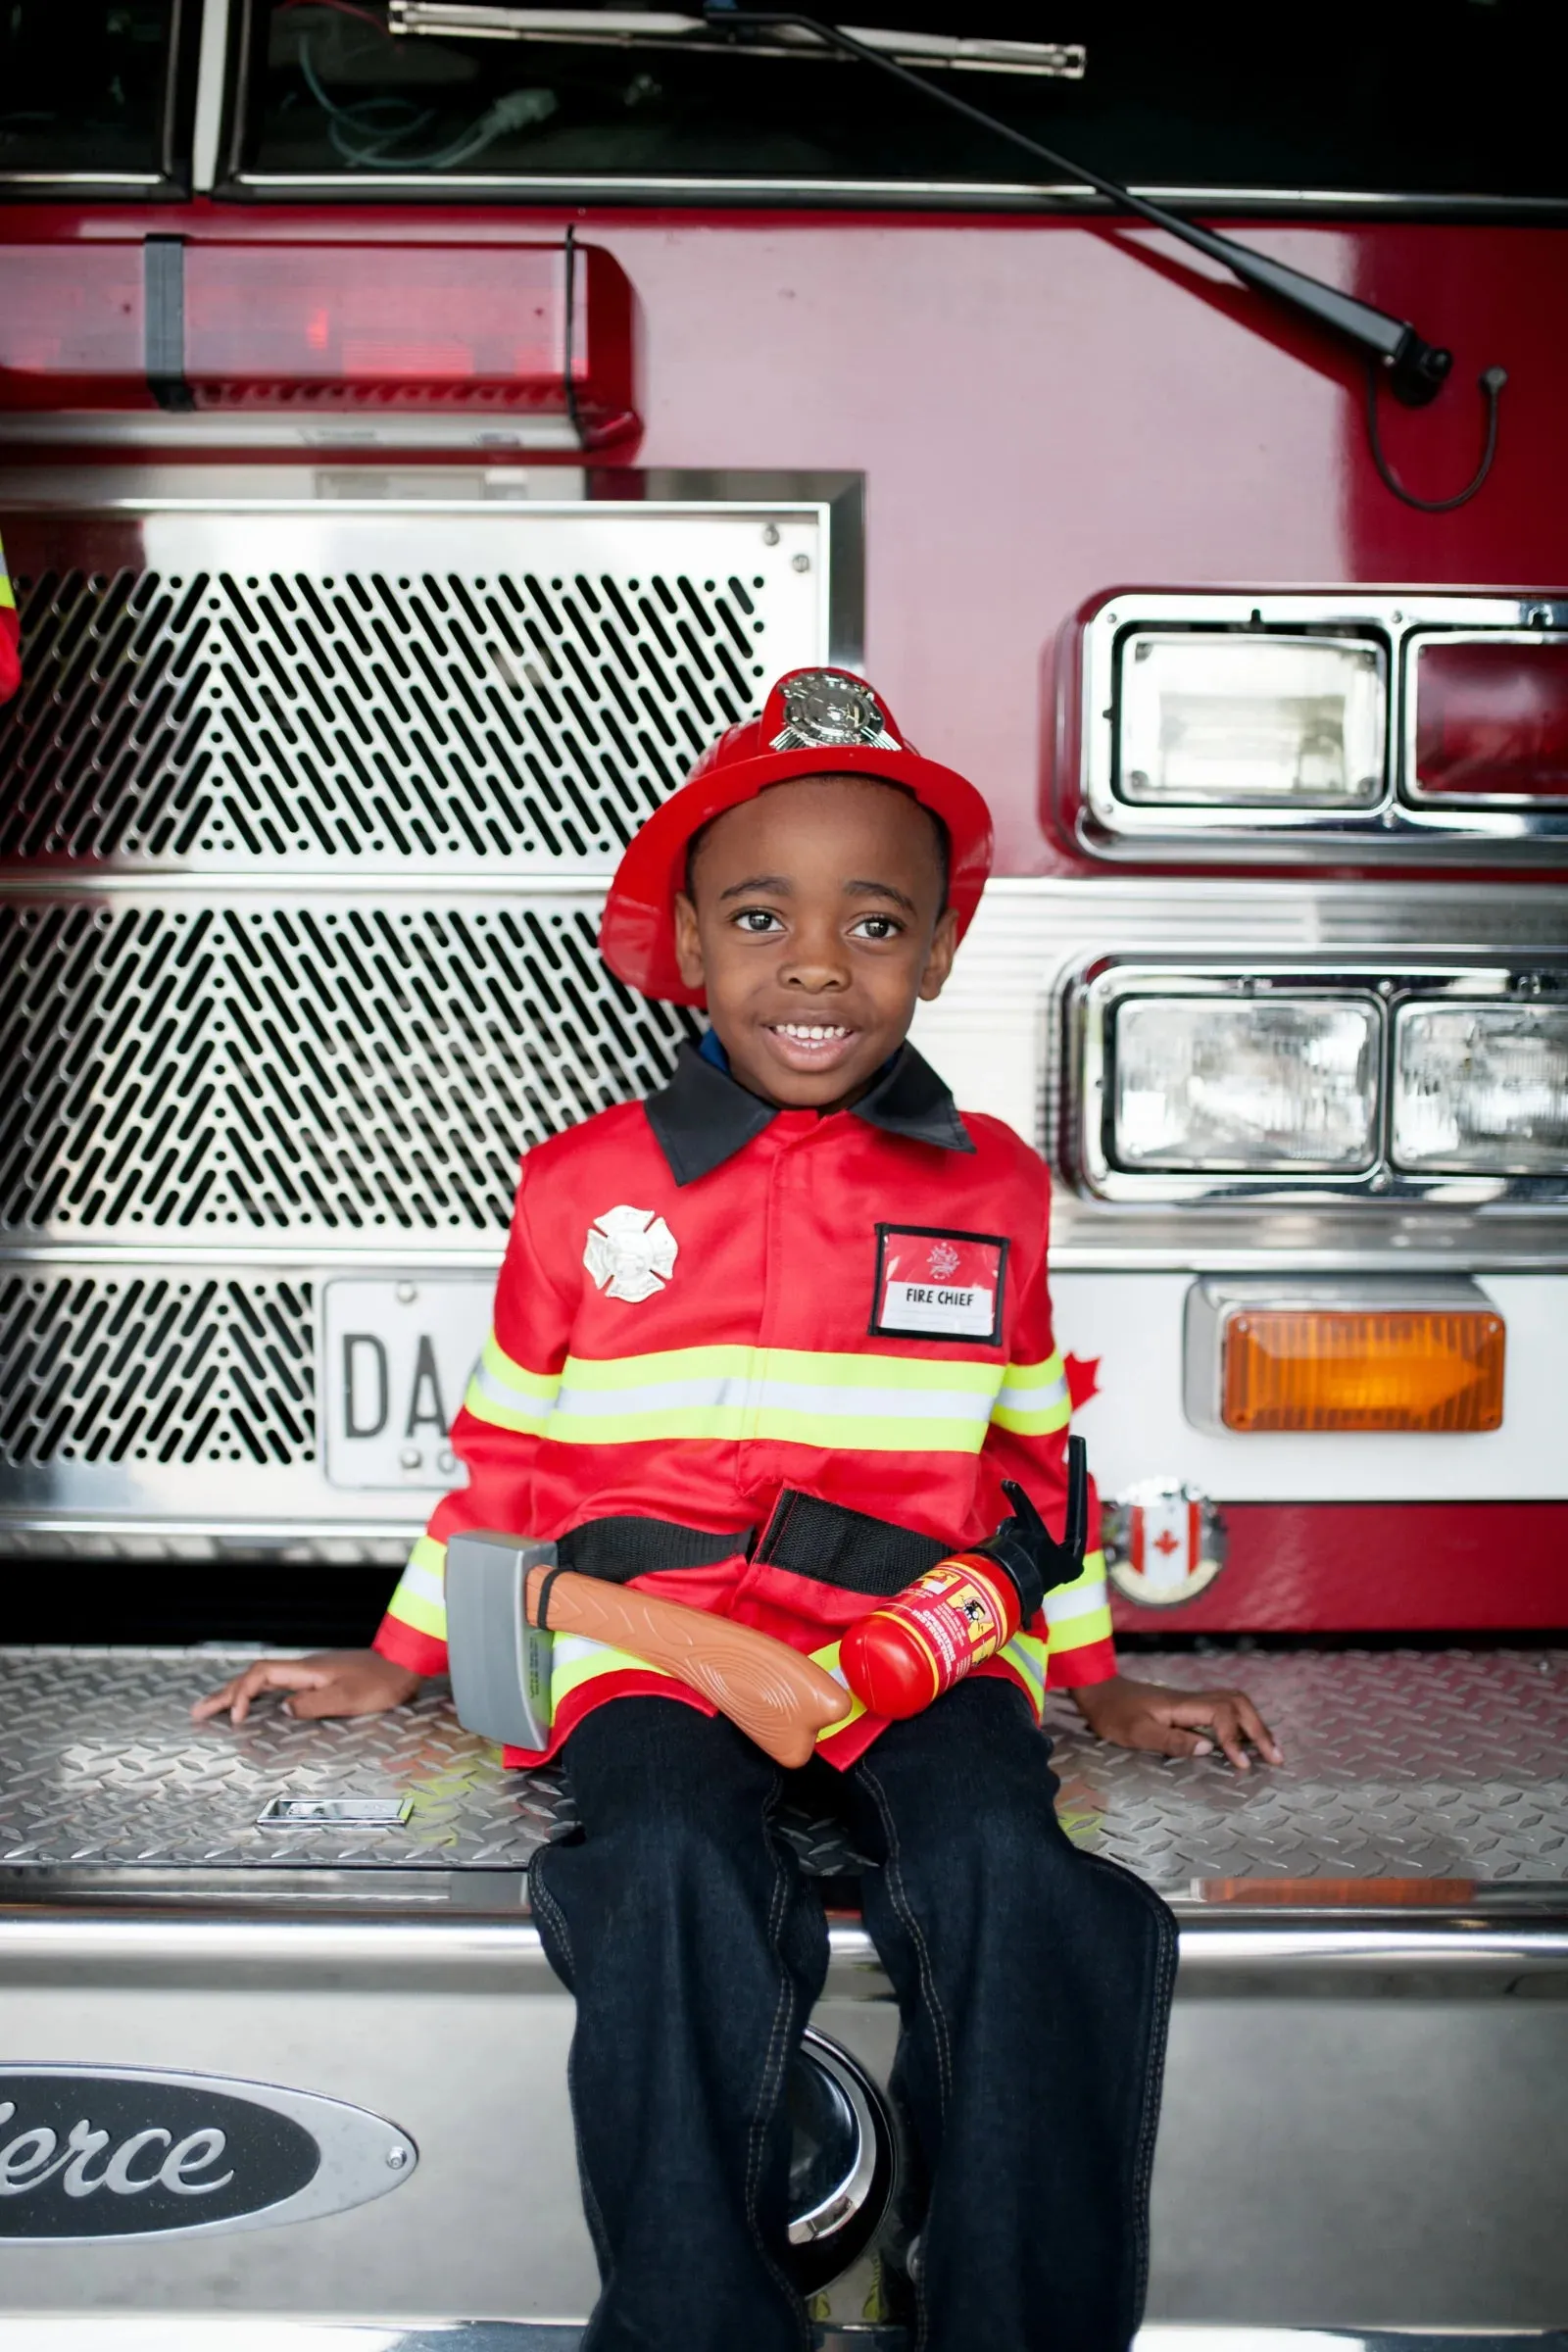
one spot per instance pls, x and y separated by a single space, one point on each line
1034 1400
1075 1600
1021 1662
516 1401
738 1395
428 1583
577 1649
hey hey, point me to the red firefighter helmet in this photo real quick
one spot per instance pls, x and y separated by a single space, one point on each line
815 721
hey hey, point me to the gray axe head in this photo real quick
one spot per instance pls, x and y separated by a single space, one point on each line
499 1663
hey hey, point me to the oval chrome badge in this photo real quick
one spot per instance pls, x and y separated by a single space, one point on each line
106 2152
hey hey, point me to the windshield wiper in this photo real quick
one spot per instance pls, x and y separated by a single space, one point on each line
1415 370
656 29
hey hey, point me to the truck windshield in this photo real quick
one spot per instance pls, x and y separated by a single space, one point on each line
84 90
1330 103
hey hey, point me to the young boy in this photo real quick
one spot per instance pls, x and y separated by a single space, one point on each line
768 1344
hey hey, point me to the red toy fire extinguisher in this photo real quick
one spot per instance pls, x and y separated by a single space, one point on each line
901 1656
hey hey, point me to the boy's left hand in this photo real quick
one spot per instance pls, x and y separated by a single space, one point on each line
1176 1722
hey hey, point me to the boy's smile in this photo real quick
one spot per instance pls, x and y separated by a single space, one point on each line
814 922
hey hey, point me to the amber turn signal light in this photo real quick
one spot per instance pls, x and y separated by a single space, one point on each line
1325 1368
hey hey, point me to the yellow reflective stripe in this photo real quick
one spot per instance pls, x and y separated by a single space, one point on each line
808 1366
1026 1653
429 1554
1082 1632
507 1394
872 1402
1093 1572
494 1359
574 1660
421 1597
7 594
827 1658
1033 1399
1083 1608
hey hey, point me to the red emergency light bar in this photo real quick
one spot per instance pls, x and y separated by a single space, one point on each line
1492 720
538 335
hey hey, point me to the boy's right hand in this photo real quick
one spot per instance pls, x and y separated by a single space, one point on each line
334 1682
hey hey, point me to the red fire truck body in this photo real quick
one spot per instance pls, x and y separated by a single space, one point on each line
385 542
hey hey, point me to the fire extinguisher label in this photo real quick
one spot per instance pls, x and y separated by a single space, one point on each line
932 1284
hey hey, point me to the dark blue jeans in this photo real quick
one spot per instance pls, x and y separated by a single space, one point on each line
1033 1983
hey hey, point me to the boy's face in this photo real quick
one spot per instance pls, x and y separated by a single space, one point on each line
814 927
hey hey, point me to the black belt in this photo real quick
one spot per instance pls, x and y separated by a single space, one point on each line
821 1540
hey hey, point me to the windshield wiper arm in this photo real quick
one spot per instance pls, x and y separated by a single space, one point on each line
1415 370
650 28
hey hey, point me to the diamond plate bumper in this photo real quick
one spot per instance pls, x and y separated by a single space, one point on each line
1445 1767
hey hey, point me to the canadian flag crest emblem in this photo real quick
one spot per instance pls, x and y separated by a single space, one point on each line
1164 1543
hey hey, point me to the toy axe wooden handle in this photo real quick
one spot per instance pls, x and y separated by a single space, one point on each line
778 1697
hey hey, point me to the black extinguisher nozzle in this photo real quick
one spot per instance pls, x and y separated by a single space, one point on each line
1076 1534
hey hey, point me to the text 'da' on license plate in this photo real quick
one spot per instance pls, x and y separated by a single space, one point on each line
396 1358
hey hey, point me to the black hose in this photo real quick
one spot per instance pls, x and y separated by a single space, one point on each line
1490 383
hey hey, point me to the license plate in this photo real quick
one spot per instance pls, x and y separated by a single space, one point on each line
396 1358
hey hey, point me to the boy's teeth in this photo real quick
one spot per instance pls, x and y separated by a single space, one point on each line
808 1035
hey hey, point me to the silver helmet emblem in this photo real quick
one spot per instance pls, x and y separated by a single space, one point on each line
827 706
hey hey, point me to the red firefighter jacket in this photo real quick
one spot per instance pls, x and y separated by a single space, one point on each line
708 1302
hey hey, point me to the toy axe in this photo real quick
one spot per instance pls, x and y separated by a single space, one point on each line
507 1600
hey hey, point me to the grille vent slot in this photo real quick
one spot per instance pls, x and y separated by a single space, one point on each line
312 1065
157 1371
365 715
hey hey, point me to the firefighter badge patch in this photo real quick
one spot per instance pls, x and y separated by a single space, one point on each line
630 1254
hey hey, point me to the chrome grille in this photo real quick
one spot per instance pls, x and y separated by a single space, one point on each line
301 1063
306 809
522 698
155 1370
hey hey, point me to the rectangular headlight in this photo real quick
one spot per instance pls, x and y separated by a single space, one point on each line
1261 1085
1249 721
1480 1087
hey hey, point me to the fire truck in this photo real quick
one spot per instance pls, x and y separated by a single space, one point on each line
424 425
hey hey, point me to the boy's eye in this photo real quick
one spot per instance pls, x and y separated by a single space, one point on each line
877 926
757 921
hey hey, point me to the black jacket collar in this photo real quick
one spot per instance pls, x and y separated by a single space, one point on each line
704 1117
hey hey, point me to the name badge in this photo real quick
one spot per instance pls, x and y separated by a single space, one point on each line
932 1284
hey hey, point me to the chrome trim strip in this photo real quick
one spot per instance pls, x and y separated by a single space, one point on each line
565 189
38 1937
81 179
182 2332
346 430
1398 825
212 74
